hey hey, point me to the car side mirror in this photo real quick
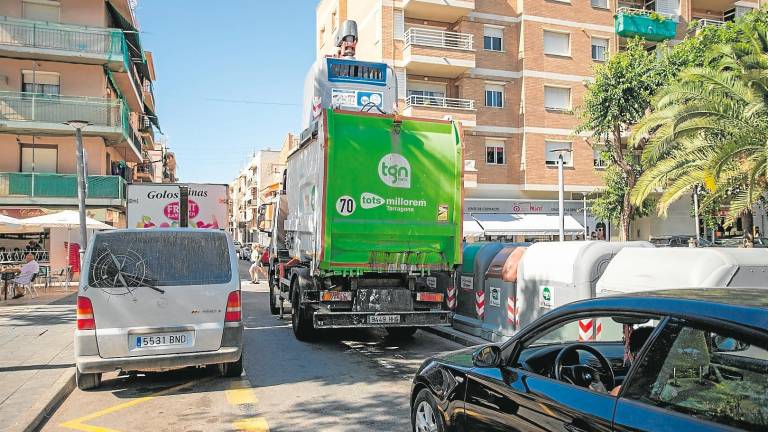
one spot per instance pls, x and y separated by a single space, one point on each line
488 356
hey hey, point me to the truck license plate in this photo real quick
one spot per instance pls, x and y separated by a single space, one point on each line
162 339
384 319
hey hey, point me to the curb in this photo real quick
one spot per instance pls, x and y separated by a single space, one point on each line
456 336
41 411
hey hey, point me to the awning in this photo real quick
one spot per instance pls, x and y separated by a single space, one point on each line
525 224
136 53
471 227
152 117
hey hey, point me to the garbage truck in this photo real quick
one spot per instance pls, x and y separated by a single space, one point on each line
366 229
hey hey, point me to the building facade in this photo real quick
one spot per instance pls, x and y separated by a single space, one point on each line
246 194
64 60
513 73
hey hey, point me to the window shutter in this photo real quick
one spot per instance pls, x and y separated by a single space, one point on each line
399 27
401 83
557 43
40 12
40 78
493 32
557 97
671 7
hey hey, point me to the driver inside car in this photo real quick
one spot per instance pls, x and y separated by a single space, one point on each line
637 339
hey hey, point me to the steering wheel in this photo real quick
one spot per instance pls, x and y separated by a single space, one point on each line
585 375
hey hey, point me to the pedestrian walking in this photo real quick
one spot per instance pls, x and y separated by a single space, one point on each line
256 266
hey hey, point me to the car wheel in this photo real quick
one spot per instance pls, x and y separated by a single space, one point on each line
302 326
425 416
273 306
232 370
87 381
401 332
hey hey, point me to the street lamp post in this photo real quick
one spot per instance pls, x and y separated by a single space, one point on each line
81 182
561 190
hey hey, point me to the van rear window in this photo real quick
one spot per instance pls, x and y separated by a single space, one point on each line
154 258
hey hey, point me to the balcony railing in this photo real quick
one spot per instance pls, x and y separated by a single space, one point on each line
53 109
706 22
438 39
48 185
644 23
440 102
105 42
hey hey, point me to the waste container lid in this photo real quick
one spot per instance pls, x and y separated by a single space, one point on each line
505 263
468 260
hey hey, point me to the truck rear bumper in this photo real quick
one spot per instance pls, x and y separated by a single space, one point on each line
361 319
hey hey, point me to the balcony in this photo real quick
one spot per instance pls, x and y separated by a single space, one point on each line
441 108
145 171
49 188
647 24
34 113
438 10
60 42
438 53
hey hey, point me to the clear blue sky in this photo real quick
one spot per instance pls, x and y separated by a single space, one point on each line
242 50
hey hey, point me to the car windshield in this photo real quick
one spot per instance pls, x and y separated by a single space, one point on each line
159 258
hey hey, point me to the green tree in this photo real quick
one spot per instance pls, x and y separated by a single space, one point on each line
617 99
710 128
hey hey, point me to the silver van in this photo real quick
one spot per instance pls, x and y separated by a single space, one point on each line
158 299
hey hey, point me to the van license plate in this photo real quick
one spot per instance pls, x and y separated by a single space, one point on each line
384 319
164 339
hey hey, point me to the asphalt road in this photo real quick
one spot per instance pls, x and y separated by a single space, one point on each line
347 381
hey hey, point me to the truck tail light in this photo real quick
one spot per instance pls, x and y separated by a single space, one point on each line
330 296
85 320
233 307
429 297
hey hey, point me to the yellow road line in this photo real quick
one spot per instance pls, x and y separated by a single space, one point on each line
78 423
240 393
256 424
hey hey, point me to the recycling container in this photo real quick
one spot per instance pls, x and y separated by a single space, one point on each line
499 322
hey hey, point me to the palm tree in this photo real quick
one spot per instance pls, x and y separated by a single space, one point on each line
710 128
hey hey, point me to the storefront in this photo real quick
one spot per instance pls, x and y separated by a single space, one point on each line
528 220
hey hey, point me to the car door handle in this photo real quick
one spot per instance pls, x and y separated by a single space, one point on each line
570 427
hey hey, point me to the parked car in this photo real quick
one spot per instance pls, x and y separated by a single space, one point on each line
152 299
671 241
675 360
245 251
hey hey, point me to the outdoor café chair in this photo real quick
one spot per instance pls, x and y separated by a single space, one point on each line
29 288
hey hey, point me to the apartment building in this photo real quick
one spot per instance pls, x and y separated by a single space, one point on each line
247 193
64 60
513 73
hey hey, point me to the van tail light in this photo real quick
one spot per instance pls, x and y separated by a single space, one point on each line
85 320
233 307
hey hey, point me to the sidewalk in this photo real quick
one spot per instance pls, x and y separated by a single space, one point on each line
36 358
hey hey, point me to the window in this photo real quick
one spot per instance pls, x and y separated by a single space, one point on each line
597 157
40 82
600 4
555 148
599 49
712 376
399 24
557 98
557 43
41 10
494 96
39 158
494 152
492 39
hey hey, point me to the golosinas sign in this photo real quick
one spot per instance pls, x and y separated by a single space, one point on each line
157 205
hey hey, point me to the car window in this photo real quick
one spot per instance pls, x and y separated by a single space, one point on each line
713 376
162 258
597 328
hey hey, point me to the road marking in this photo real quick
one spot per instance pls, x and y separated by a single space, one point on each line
79 423
242 395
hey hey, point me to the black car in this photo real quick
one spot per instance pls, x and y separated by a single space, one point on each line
678 360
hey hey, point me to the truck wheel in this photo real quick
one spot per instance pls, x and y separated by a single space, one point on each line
302 324
401 332
273 307
232 370
87 381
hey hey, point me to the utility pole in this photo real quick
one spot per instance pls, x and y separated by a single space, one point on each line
81 183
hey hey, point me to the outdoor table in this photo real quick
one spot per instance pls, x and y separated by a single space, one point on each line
7 275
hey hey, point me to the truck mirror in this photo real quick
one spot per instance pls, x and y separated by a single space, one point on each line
262 223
